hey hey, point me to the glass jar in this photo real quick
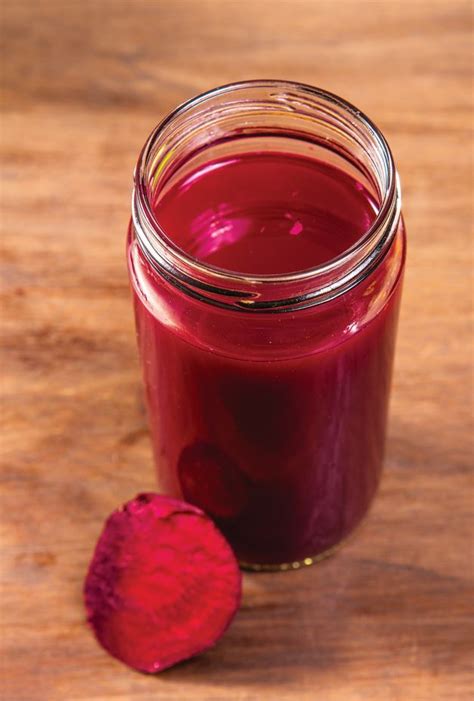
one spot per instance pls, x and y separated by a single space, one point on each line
267 394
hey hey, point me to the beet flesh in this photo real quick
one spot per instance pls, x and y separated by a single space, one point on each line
163 584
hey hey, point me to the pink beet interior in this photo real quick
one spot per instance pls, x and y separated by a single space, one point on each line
163 584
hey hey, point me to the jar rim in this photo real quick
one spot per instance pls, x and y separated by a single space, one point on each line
165 255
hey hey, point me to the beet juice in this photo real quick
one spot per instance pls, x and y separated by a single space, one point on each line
266 254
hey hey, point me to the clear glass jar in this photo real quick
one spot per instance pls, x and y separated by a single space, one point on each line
267 394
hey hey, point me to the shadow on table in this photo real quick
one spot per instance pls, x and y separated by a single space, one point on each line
344 616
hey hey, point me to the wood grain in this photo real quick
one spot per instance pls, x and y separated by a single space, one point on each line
390 617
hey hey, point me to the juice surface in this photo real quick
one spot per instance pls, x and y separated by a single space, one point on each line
266 213
284 451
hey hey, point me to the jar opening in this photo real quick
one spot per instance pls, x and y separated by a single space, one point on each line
265 116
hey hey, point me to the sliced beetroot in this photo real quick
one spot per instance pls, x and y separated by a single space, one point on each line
211 480
163 584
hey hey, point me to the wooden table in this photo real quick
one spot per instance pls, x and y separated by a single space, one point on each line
387 619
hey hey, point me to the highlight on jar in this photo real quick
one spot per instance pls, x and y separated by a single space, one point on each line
266 252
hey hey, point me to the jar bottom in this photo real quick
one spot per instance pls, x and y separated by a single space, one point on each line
285 566
299 564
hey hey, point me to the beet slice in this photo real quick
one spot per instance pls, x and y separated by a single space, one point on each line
163 584
211 480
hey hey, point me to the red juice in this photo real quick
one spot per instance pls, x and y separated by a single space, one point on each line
266 213
272 423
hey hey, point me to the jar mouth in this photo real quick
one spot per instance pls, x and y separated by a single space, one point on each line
201 117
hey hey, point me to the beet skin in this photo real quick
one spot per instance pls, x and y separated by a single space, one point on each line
163 584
